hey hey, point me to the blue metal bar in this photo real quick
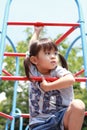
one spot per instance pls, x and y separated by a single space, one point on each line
70 47
2 48
3 36
15 86
27 127
7 123
83 36
21 119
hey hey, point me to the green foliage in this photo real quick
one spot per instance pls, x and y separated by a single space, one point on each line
75 63
8 86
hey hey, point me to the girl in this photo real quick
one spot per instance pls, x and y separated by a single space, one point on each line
52 105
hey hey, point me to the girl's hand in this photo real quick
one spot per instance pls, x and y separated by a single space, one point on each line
44 84
38 29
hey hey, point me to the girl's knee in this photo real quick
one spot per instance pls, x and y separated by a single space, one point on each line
78 105
75 112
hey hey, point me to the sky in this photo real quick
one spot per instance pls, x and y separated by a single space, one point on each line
59 11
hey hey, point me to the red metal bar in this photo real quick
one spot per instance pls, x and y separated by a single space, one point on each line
80 79
23 54
85 113
77 79
22 115
11 118
6 116
42 24
60 39
25 78
13 78
78 73
6 72
25 115
14 54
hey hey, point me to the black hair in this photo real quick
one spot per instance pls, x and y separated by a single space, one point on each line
45 44
36 46
63 61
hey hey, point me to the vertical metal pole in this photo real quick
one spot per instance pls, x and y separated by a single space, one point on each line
3 35
83 35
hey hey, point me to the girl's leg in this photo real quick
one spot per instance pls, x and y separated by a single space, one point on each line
74 116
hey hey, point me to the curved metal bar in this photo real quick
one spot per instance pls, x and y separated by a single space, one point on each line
70 47
21 119
15 85
4 30
83 37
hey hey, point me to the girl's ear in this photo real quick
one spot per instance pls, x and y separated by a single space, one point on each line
33 60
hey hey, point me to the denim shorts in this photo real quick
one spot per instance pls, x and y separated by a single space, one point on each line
54 122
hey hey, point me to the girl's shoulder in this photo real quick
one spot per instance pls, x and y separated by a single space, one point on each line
59 71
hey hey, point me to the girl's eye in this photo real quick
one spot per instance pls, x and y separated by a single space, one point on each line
56 53
47 53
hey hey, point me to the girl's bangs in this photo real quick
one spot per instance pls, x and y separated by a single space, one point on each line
48 46
44 44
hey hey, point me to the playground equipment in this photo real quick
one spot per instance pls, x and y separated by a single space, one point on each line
15 112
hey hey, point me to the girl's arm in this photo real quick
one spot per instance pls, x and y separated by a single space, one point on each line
63 82
37 30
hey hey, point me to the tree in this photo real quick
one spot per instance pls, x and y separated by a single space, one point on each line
75 61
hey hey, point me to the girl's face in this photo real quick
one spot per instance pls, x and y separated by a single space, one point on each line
46 61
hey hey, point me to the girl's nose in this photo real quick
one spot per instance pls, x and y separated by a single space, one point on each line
52 55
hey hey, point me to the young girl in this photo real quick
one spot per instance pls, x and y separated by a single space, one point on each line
51 104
